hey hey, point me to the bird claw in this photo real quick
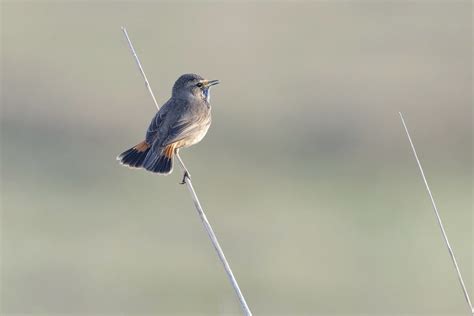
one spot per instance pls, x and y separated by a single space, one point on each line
185 175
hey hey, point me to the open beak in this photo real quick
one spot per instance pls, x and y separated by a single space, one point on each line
209 83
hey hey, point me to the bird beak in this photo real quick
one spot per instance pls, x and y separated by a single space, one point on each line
209 83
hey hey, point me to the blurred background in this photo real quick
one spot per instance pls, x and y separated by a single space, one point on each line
306 173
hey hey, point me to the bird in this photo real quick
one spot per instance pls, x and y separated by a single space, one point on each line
181 122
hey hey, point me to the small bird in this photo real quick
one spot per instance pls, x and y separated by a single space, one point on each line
181 122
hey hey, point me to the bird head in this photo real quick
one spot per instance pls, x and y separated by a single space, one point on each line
193 86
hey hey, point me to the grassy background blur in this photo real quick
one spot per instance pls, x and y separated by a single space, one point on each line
306 174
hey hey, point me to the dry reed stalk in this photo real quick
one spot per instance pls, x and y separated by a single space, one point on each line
438 217
197 204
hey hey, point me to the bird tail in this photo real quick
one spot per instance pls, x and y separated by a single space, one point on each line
160 163
135 156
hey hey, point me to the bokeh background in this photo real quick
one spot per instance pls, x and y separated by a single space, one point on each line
306 173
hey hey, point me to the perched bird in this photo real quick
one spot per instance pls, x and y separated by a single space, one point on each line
181 122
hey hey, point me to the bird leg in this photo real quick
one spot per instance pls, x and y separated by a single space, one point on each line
186 172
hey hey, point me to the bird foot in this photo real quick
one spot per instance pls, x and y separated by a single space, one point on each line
185 175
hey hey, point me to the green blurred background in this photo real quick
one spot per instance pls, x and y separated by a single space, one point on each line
306 173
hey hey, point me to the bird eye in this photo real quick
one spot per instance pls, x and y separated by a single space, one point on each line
199 85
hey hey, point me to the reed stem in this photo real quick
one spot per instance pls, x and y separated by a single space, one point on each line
438 217
197 204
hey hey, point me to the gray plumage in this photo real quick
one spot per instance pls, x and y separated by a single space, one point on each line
181 122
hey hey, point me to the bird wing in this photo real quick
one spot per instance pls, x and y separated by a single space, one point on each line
157 123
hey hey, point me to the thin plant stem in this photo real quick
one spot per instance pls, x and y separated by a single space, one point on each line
438 217
135 56
197 204
216 244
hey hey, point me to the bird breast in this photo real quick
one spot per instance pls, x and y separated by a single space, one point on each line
197 135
